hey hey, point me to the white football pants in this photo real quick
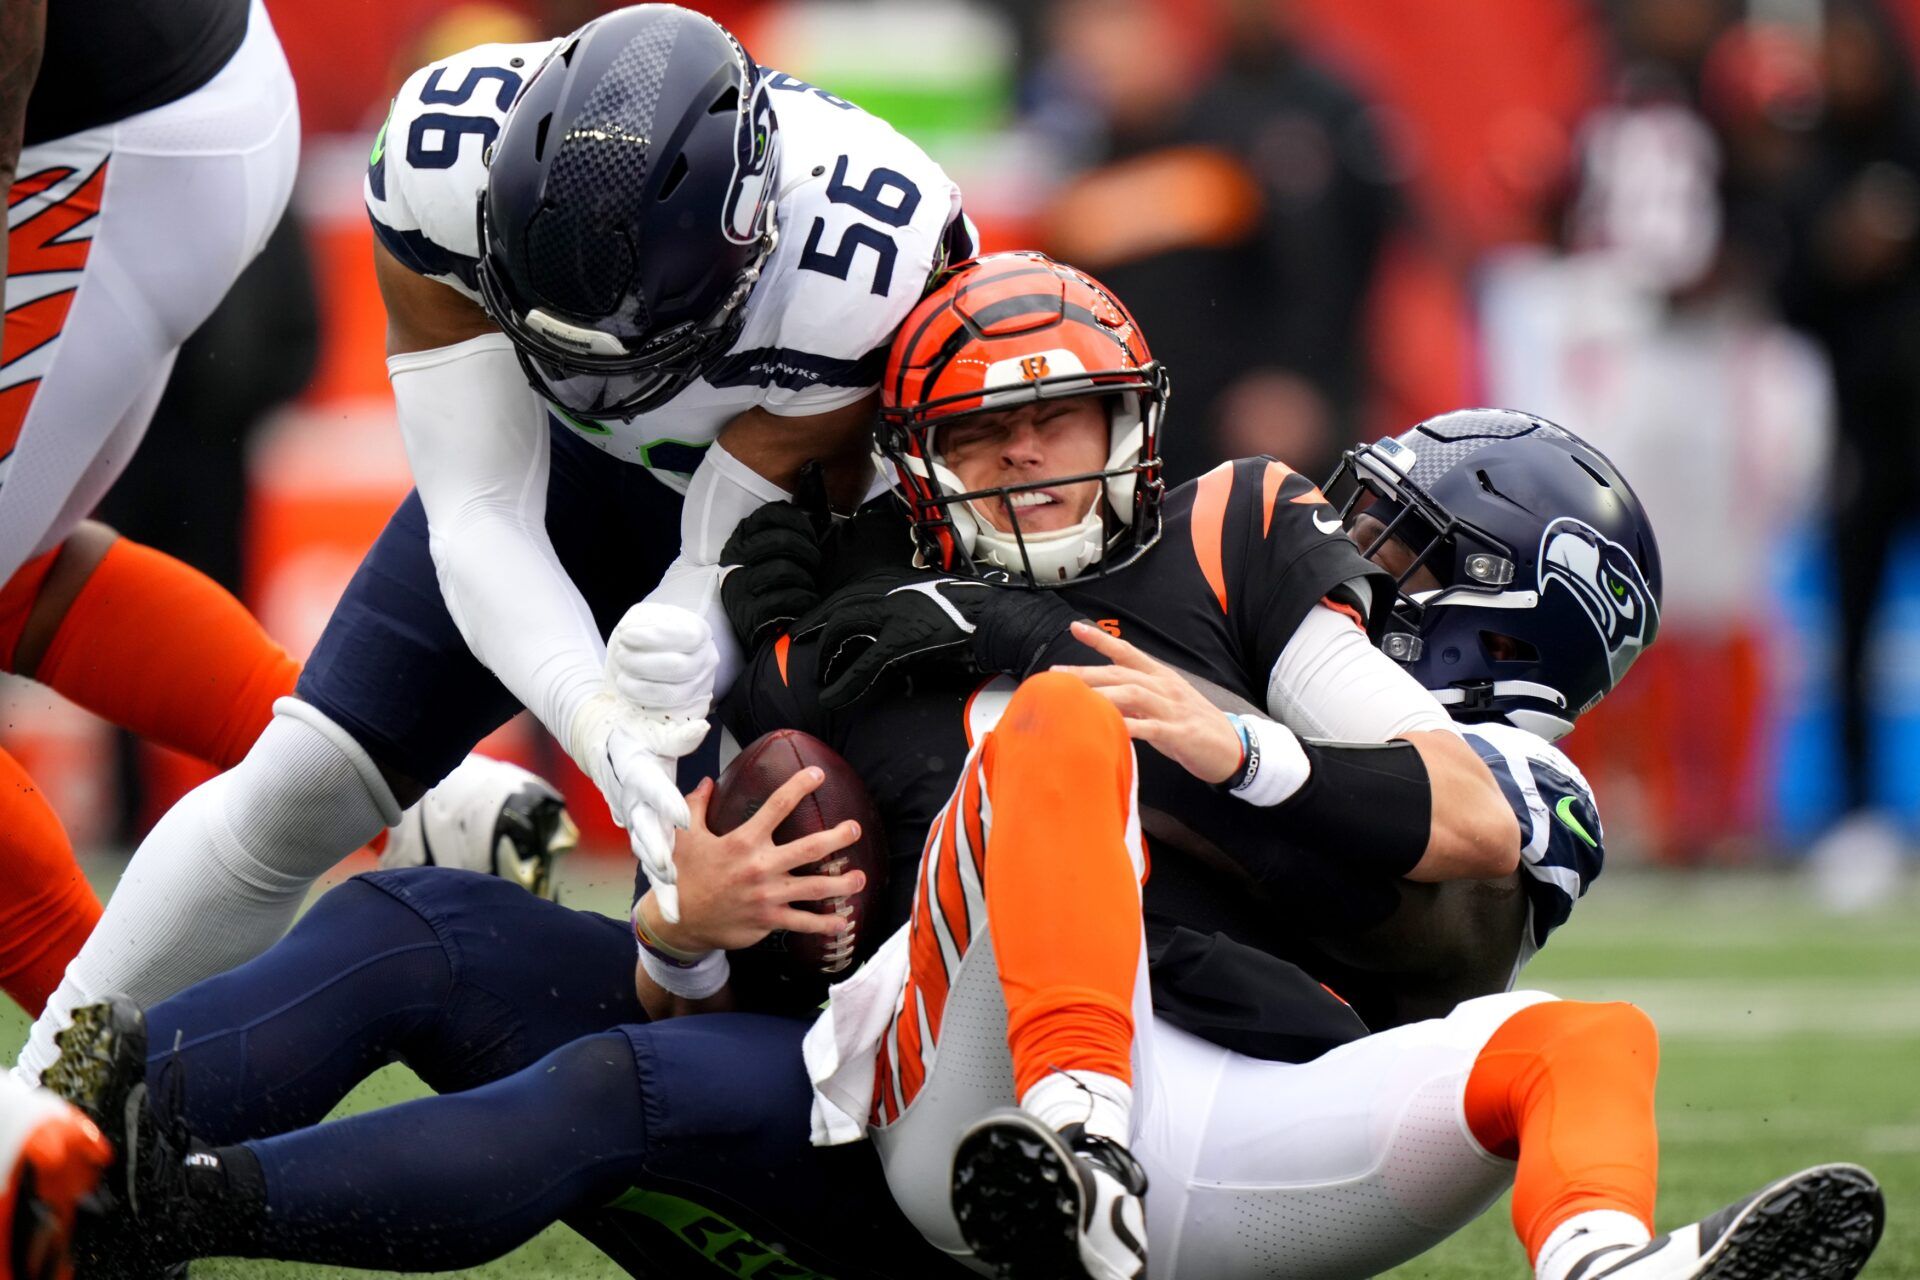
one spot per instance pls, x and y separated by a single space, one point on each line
123 240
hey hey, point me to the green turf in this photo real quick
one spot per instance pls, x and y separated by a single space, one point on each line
1788 1038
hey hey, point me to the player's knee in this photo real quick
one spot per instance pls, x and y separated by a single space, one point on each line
304 751
1058 716
1625 1030
1588 1031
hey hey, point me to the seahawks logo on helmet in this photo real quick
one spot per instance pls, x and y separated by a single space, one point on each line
756 167
1604 578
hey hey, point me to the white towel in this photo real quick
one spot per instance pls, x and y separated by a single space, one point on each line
844 1041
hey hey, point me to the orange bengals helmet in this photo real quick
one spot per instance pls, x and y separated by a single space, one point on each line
1001 331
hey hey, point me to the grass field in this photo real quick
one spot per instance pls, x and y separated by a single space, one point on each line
1788 1038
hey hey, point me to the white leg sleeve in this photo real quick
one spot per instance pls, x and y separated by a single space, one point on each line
219 879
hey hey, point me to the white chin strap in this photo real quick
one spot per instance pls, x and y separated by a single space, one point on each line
1054 556
1057 555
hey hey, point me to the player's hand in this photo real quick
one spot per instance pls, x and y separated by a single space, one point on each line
737 888
630 754
1160 707
662 659
774 575
911 619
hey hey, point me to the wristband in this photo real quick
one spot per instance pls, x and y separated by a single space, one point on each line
1249 757
689 982
652 943
1275 766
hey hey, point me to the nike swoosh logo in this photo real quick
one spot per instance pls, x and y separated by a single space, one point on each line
1326 526
1564 812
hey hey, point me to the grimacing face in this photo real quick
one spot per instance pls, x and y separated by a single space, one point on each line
1030 444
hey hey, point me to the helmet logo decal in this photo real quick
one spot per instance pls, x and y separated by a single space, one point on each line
1604 578
1033 368
756 168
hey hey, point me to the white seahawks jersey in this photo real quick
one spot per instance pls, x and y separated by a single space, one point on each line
864 218
1563 847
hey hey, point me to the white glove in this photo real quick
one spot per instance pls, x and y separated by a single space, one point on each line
662 658
629 753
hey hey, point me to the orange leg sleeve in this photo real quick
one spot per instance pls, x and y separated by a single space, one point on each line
1063 899
47 908
1567 1087
159 648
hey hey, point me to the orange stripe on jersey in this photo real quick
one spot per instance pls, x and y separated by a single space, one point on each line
35 246
780 647
34 183
32 325
1341 607
1209 525
1275 476
14 403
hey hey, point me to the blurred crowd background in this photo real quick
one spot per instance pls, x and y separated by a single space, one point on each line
1688 229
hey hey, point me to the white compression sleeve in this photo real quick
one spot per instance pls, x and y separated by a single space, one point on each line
477 443
218 879
724 491
1331 683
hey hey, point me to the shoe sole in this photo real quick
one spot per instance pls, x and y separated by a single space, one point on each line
102 1070
1820 1224
1017 1198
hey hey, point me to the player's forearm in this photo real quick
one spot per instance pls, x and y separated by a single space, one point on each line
1473 834
479 455
23 34
23 31
523 618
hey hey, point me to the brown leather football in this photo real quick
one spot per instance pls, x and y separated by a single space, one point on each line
756 773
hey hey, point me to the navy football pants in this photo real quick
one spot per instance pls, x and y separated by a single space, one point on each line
678 1147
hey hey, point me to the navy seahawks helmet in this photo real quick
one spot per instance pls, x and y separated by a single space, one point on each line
1549 576
628 209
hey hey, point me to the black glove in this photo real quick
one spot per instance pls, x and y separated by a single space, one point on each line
918 618
777 551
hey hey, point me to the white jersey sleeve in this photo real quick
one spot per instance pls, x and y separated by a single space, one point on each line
865 219
429 160
1562 846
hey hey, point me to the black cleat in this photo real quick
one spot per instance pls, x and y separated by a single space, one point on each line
1039 1205
1819 1224
130 1228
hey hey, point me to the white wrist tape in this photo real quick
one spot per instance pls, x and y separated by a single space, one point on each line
1278 765
693 982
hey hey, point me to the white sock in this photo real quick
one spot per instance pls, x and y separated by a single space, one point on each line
1581 1234
1100 1102
219 878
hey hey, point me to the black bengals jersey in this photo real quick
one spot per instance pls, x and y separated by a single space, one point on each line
106 60
1247 551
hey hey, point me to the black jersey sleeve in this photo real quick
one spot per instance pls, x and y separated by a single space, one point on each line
1281 552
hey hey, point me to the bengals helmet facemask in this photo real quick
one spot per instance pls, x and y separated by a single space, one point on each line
998 332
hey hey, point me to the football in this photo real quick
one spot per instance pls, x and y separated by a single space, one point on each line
760 770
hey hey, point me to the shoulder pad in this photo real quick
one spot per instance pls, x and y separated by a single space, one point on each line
429 161
865 219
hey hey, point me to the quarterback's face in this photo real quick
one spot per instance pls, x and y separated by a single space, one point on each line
1030 445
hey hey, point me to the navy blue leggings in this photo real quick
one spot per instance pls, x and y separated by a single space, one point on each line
679 1148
